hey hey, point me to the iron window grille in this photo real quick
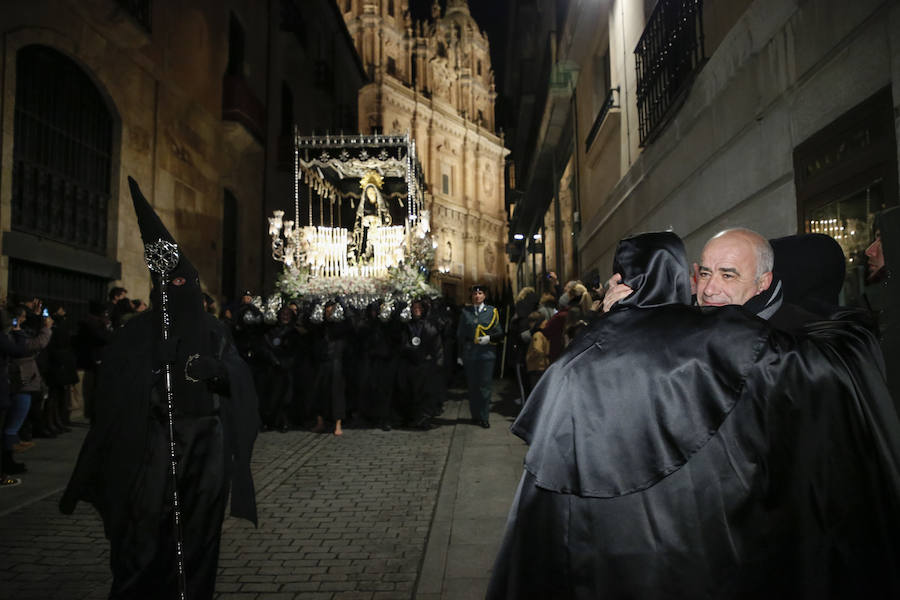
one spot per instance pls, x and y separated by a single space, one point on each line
56 287
62 148
668 54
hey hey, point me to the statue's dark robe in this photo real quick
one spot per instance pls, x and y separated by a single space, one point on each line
123 467
682 453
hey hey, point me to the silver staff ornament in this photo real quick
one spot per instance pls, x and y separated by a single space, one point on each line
162 257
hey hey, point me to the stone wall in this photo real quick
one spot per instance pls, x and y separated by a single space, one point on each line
164 89
182 129
785 70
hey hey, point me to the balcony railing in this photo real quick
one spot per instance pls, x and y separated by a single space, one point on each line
141 10
610 102
668 54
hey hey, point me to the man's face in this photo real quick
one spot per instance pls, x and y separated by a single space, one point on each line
416 310
876 255
727 272
246 299
477 297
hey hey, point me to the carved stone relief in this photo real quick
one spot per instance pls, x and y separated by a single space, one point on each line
489 258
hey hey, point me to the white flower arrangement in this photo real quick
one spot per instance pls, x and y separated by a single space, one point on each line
406 281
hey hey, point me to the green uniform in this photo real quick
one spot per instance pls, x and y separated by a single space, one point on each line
478 359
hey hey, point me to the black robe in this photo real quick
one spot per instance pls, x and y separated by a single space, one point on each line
123 465
681 452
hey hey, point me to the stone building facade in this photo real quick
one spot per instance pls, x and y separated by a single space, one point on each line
788 119
777 115
434 80
188 98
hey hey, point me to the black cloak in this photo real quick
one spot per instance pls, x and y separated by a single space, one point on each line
123 466
687 452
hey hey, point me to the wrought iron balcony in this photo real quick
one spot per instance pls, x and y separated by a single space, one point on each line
610 102
667 56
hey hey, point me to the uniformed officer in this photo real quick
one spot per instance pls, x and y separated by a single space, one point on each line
477 335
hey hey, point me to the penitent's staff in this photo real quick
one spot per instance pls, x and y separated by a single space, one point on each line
162 257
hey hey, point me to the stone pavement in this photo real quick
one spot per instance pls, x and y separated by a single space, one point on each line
370 515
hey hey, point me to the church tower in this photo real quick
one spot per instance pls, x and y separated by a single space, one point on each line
434 79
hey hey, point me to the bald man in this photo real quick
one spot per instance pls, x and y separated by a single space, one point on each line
735 266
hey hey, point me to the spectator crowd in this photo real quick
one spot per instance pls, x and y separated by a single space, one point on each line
315 365
41 352
318 367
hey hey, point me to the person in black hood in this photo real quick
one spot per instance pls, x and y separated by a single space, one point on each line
94 333
281 344
330 338
171 369
685 452
421 356
62 373
811 268
882 292
248 327
379 336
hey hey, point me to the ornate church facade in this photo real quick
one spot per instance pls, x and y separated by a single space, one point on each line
434 80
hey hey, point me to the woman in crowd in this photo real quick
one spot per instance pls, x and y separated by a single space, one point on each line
12 345
538 357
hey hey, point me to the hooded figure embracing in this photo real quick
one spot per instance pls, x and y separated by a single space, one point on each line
680 452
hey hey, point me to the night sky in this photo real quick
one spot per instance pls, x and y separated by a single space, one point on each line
490 16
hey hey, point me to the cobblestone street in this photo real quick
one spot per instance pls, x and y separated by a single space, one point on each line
339 518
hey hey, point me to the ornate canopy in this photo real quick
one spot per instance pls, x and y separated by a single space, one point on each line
359 229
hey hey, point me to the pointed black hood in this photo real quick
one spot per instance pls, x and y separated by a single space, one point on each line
152 228
183 278
187 320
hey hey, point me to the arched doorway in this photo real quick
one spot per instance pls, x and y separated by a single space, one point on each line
62 169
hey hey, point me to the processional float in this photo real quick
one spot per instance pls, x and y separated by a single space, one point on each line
359 229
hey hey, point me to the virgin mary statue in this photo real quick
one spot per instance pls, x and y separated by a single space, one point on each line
371 213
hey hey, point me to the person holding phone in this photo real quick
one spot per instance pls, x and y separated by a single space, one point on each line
26 385
36 424
12 345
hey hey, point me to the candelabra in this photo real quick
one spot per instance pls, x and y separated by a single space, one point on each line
287 245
